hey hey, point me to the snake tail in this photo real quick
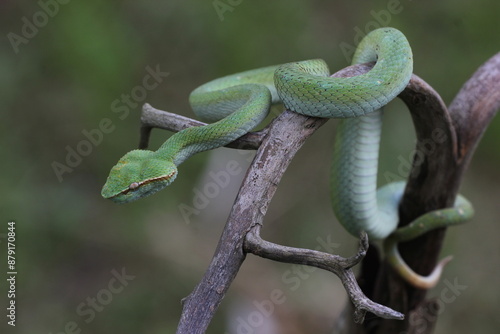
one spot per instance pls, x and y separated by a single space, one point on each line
461 212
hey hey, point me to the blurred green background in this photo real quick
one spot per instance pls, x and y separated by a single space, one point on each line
59 81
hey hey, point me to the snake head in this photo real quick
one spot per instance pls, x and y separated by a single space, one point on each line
138 174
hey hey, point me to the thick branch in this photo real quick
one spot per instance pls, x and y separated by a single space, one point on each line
286 135
475 105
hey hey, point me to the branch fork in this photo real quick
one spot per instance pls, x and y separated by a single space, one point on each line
335 264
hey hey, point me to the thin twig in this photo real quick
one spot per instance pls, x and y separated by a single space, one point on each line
154 118
336 264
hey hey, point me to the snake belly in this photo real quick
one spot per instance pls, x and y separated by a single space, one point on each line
353 180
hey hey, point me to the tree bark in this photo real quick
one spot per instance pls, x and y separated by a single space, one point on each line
286 135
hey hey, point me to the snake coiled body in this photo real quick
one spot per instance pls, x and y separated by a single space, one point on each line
238 102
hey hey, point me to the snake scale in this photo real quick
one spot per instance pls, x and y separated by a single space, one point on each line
238 102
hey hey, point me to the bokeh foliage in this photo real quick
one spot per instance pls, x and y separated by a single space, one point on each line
65 79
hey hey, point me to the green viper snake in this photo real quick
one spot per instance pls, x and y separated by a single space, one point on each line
238 102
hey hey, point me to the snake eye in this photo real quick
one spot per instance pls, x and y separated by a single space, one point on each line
133 186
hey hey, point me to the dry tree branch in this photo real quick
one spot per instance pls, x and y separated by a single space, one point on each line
154 118
286 134
432 184
336 264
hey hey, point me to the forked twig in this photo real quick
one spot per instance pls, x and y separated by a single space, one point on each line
335 264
